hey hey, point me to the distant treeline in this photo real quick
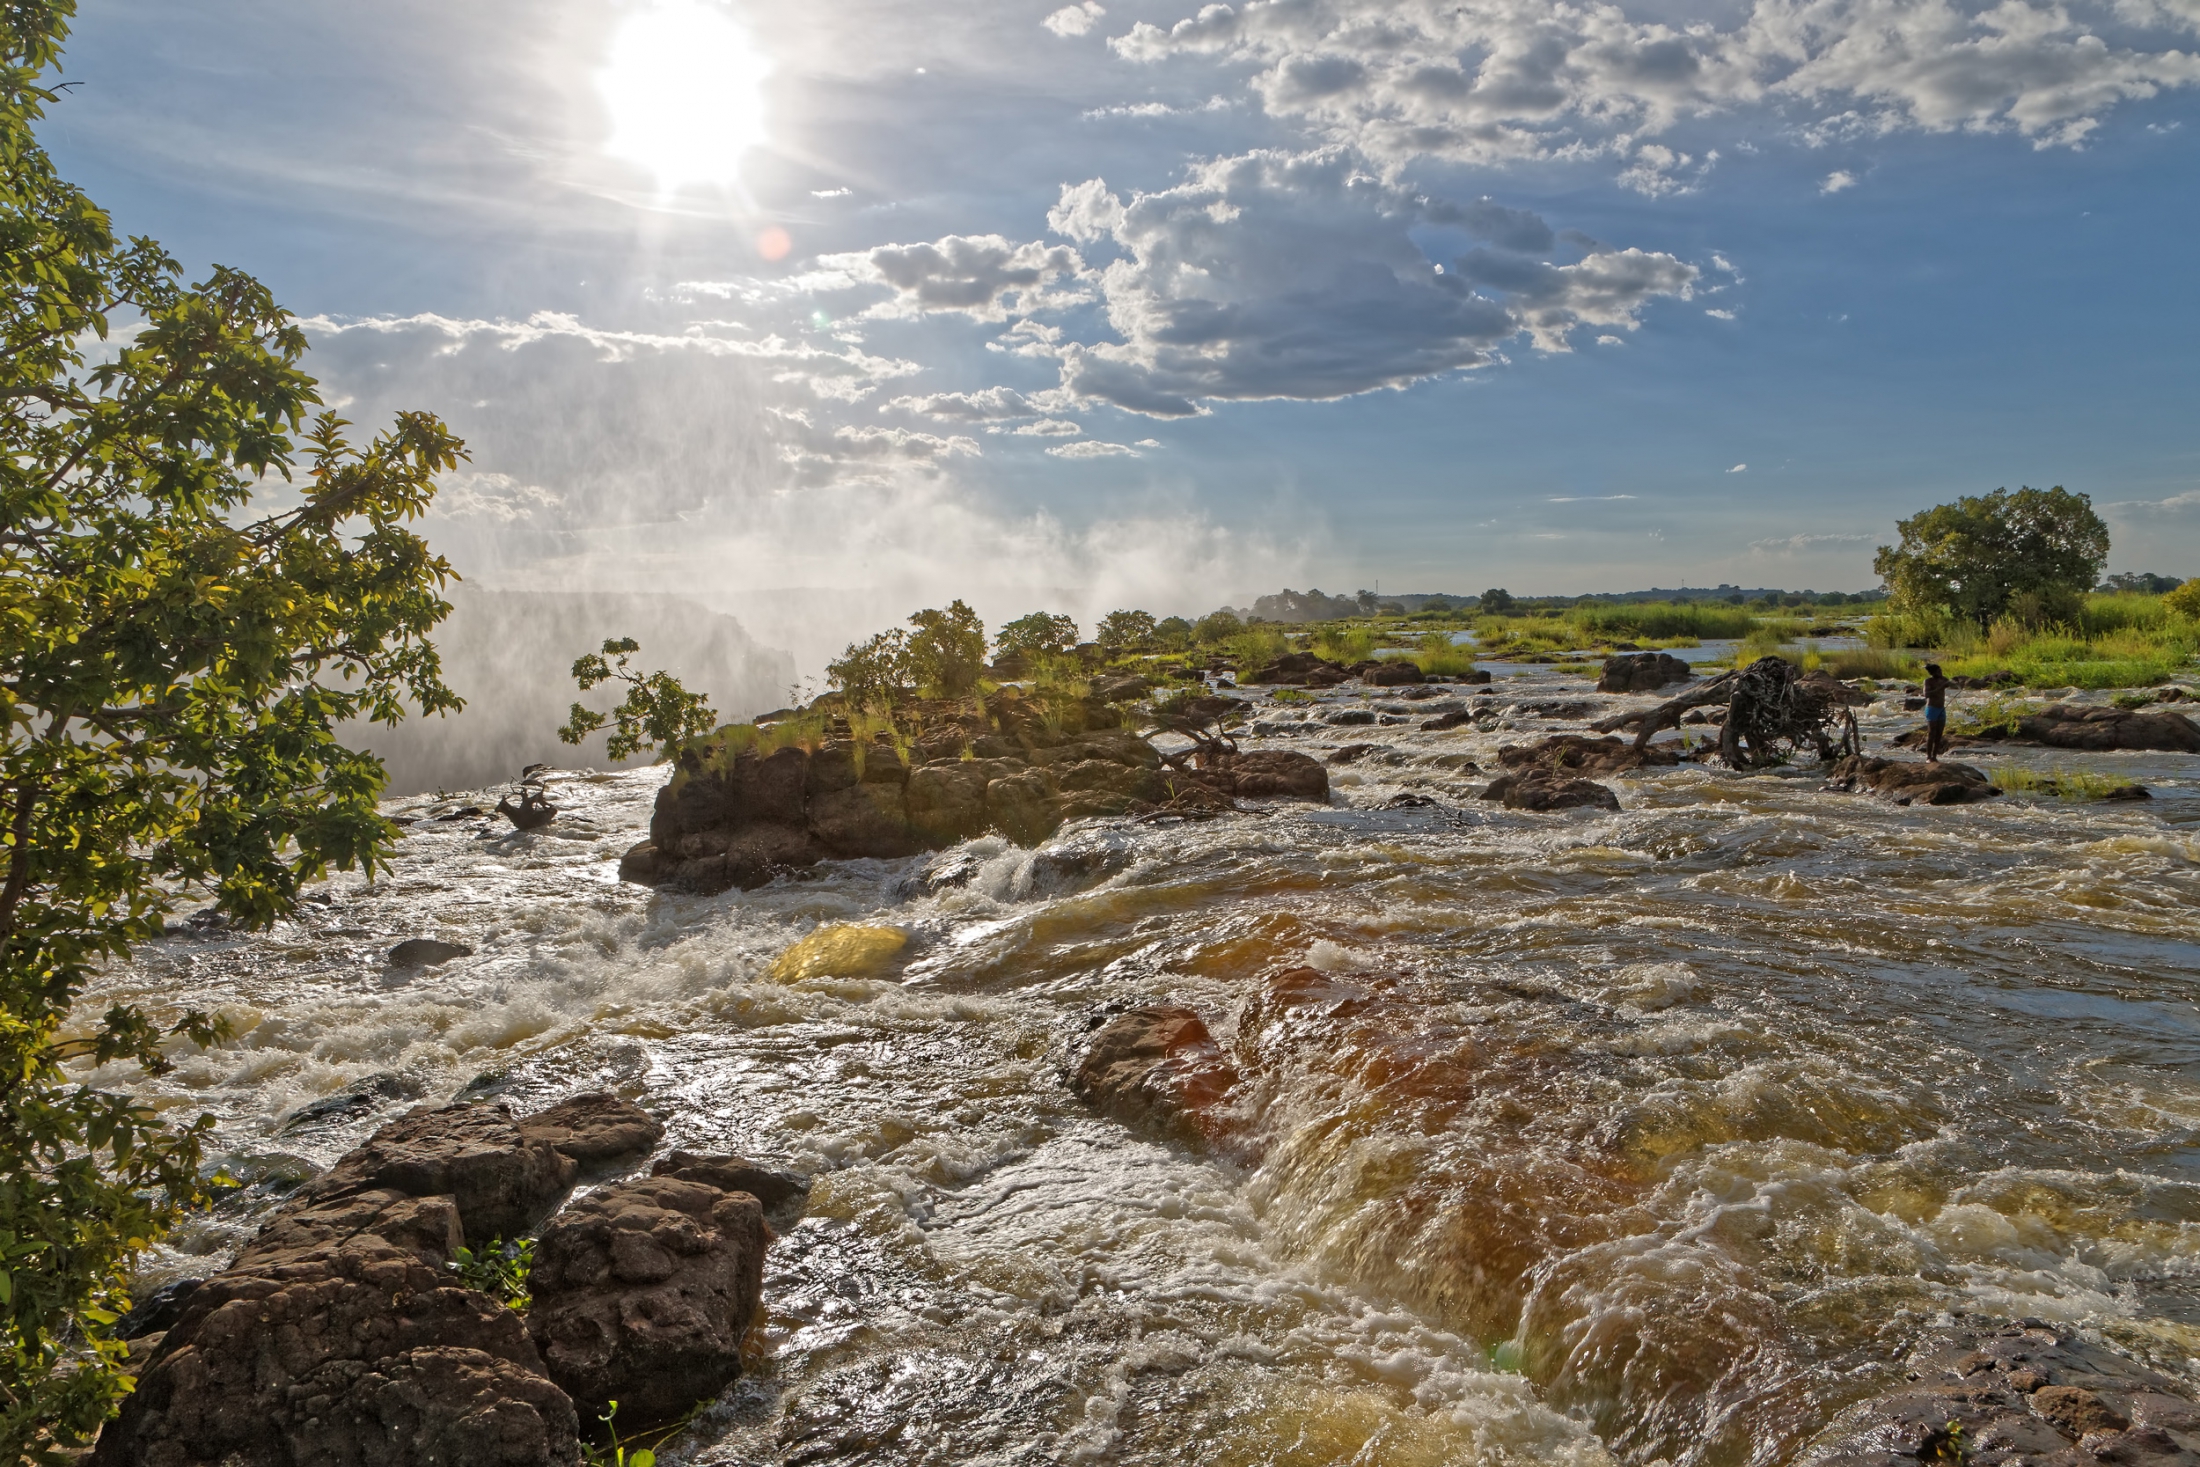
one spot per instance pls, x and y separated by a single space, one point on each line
1290 606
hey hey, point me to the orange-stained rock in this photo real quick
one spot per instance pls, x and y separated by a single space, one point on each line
1159 1066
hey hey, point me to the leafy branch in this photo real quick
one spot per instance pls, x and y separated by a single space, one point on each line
657 712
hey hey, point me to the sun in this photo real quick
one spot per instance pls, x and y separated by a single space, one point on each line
685 91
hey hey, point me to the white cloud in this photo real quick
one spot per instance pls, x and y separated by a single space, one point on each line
1277 275
830 193
1836 181
1074 20
1489 80
496 498
991 404
1804 544
1739 469
1048 428
2177 504
1093 448
984 276
1719 314
1611 341
1586 498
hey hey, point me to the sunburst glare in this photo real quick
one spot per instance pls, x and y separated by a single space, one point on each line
685 90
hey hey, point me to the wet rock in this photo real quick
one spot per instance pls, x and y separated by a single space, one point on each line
1580 755
783 1195
500 1180
158 1311
1157 1066
1352 753
1642 672
642 1291
2074 726
1267 774
863 819
360 1096
596 1130
2030 1393
364 1358
2129 792
1832 691
1121 689
532 812
1348 717
1389 672
1542 789
1299 668
426 952
1910 782
1443 722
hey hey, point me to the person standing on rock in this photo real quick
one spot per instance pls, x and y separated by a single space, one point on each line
1936 712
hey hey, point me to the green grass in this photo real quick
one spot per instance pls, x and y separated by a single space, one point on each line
2063 784
1659 619
1872 662
1255 649
2116 641
1345 642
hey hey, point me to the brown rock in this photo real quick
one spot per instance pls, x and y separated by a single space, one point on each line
782 1194
1643 672
864 819
642 1292
1446 721
1910 782
1544 790
2076 1410
1268 774
1579 754
364 1359
947 800
1392 672
501 1181
1101 774
1158 1065
596 1129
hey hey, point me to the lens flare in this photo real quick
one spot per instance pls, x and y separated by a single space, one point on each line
685 91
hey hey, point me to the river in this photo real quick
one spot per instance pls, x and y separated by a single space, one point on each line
1590 1137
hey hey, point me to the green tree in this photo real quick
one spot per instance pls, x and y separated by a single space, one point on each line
1126 631
1173 633
870 673
947 652
181 636
1216 627
2185 599
657 713
1497 601
2031 555
1038 633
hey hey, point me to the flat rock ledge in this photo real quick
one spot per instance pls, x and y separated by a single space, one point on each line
734 819
1910 781
2082 726
340 1337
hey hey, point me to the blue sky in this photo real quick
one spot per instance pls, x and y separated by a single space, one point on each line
826 311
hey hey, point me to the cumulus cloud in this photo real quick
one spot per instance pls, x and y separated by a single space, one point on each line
1048 428
1278 275
1739 469
1836 181
1093 448
1803 544
2187 503
1491 80
989 405
984 276
1074 20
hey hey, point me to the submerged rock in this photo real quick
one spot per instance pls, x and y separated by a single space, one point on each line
1542 789
1580 755
1910 782
426 952
1157 1066
596 1130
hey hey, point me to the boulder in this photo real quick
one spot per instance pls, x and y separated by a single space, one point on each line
642 1291
1581 755
783 1195
364 1358
1390 672
1157 1066
1295 667
426 952
1120 689
1642 672
500 1180
2030 1392
1542 789
597 1130
2074 726
1832 691
1910 781
1267 774
1444 722
864 819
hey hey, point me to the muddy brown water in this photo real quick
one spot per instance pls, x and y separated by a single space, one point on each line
1588 1138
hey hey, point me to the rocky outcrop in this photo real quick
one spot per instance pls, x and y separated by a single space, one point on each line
1388 672
1301 669
1642 672
642 1292
1577 754
337 1336
1266 774
2031 1393
1910 781
782 1194
1542 789
2076 726
1157 1066
737 818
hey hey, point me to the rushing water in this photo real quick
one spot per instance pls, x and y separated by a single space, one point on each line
1593 1137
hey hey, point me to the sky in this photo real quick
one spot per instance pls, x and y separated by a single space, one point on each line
822 312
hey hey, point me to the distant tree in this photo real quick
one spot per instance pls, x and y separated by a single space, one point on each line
1174 633
2185 599
657 713
870 673
1736 599
1437 603
1039 632
2144 583
1216 626
1368 602
1834 598
2031 555
1127 631
199 587
1497 601
947 651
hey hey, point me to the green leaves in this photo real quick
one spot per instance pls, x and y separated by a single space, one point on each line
2032 555
173 672
657 712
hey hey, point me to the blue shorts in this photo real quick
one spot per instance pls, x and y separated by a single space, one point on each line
1936 715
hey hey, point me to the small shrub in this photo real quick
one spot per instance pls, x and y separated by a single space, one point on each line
500 1270
1869 662
1346 644
1256 648
2062 784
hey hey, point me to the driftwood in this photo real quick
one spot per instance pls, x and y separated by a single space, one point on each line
1768 705
533 811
